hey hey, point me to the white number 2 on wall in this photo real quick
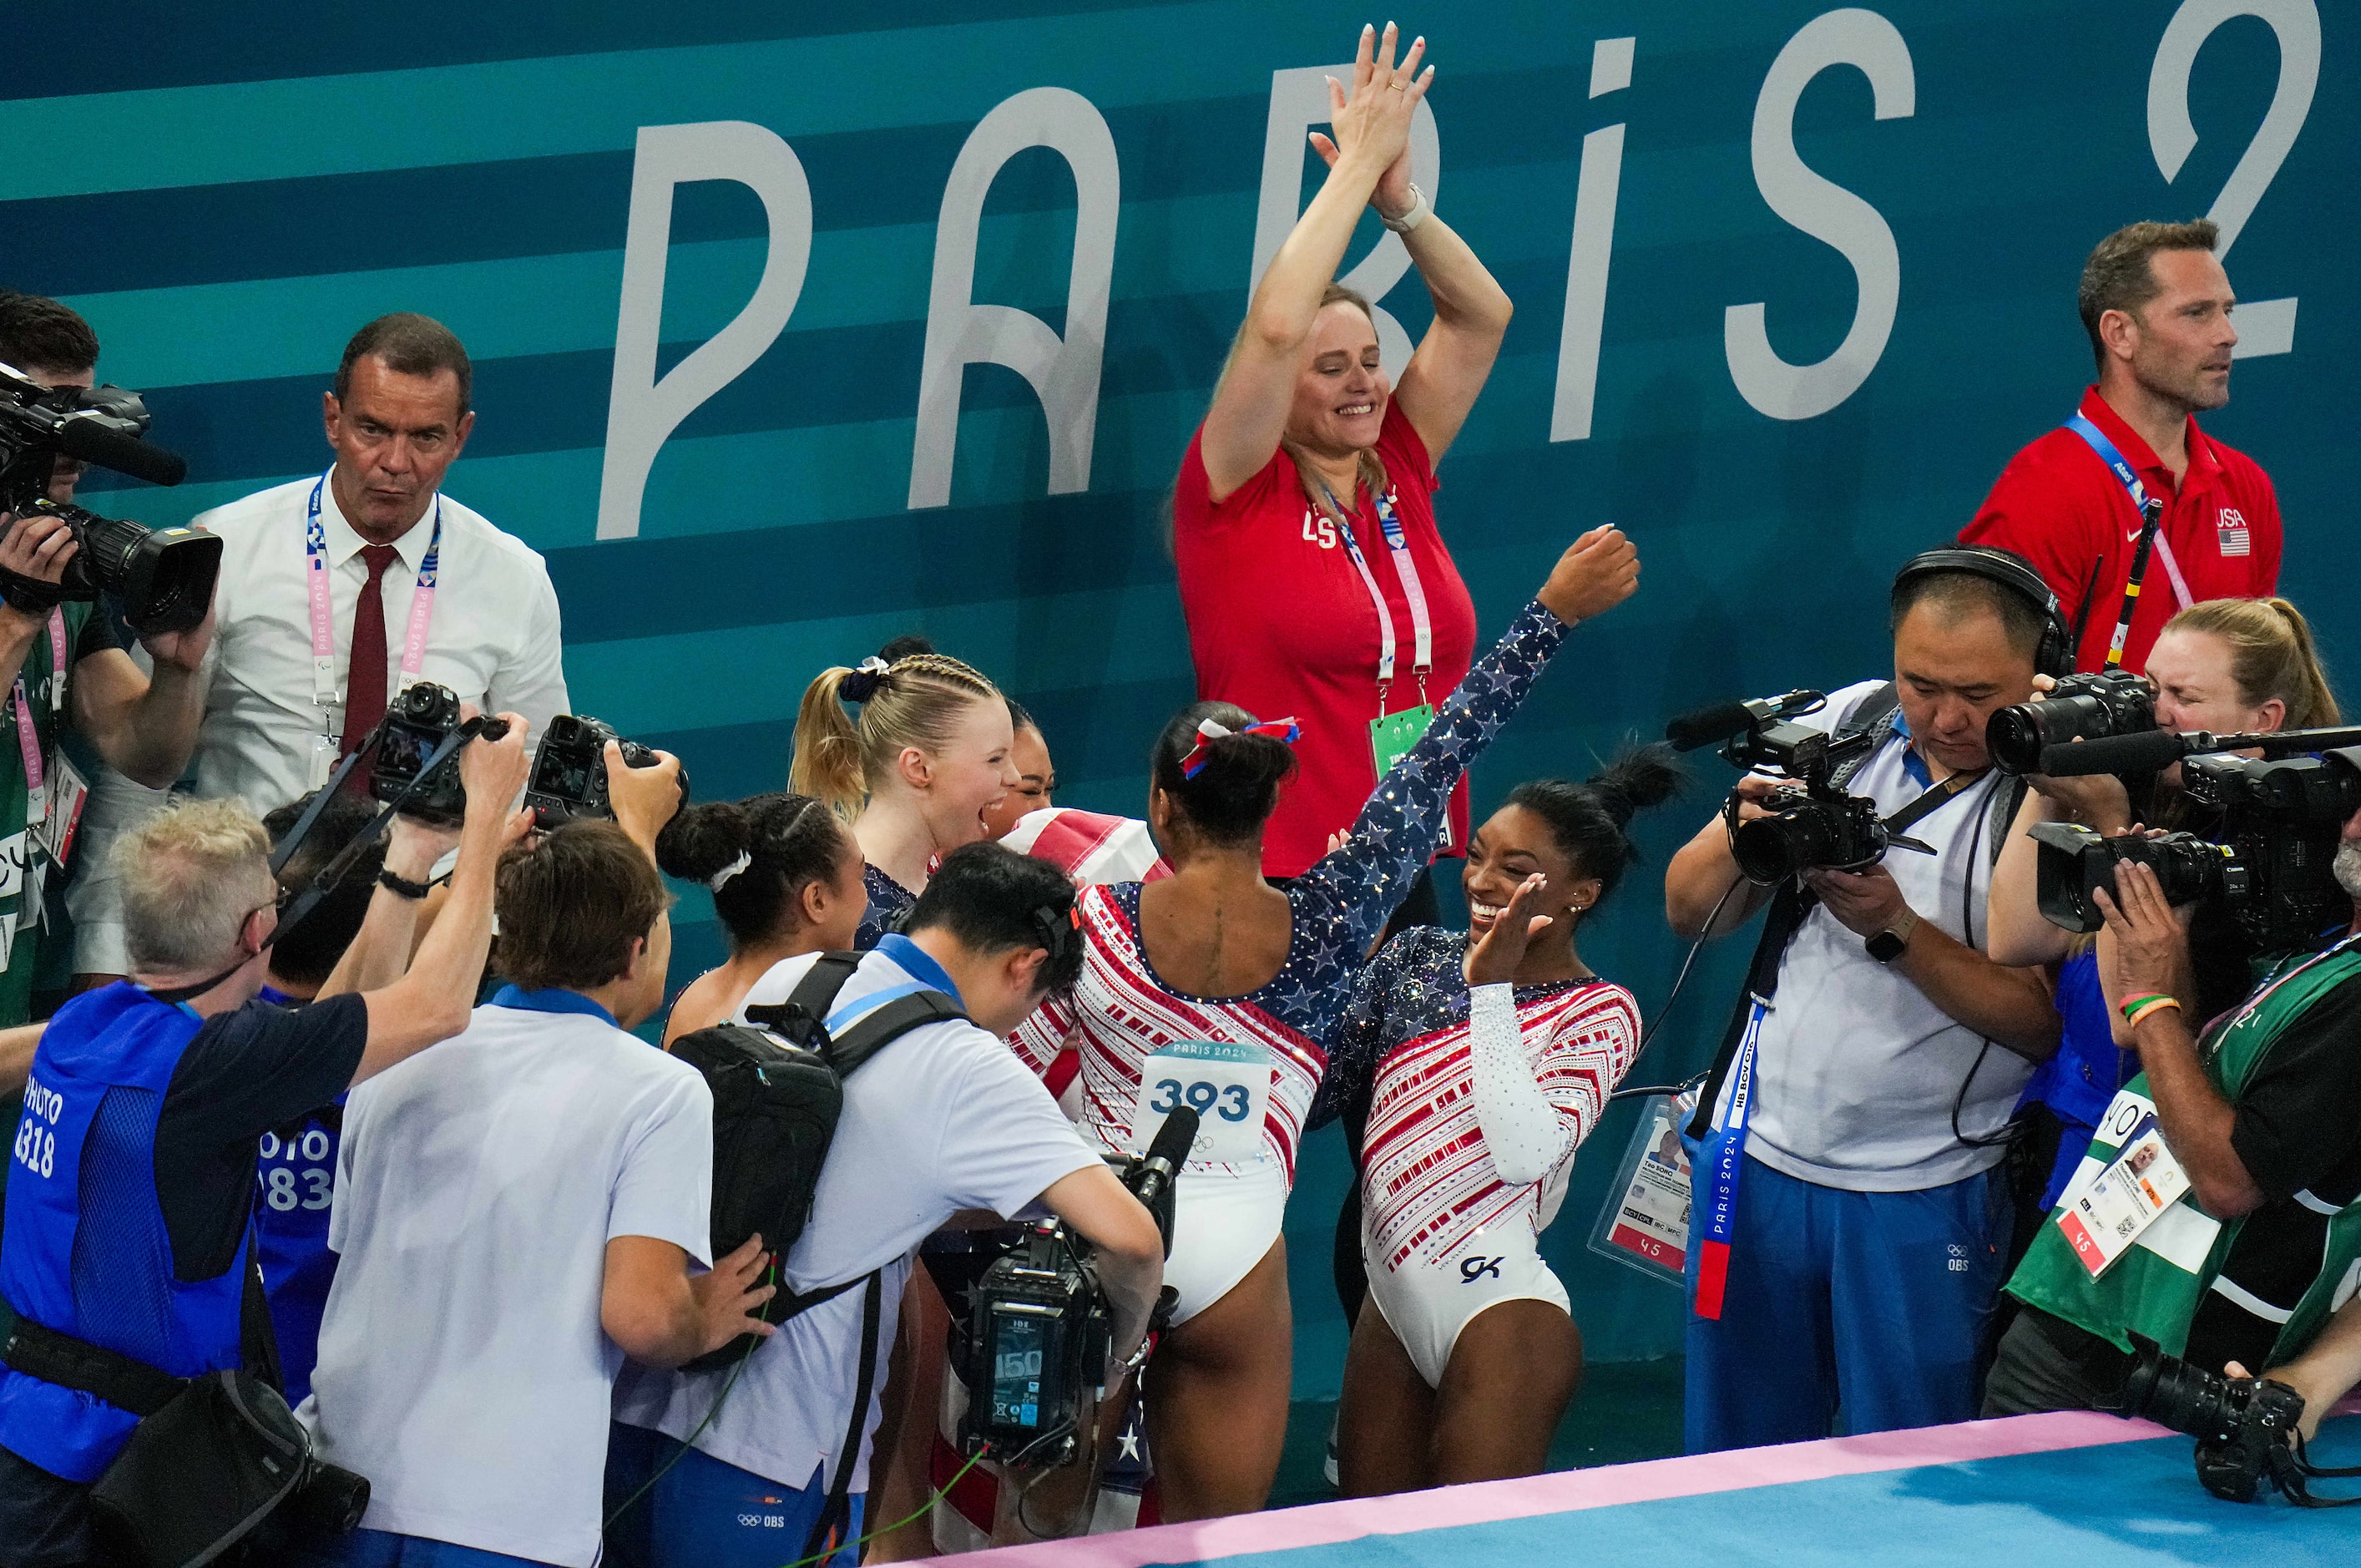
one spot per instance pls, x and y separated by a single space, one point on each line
2264 326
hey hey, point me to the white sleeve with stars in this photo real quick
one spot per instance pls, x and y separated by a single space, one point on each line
1522 1131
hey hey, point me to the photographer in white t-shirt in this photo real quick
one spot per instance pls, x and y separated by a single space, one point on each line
516 1221
943 1119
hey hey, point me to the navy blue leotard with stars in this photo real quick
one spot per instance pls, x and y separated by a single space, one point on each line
1123 1013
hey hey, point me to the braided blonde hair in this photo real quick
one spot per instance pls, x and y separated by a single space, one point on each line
915 701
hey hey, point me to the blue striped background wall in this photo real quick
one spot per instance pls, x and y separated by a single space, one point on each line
228 193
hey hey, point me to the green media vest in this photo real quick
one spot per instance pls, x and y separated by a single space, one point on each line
45 683
2144 1292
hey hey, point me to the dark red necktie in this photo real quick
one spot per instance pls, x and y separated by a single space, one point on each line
364 676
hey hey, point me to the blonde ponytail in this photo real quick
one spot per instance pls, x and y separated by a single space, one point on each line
916 701
2273 656
827 763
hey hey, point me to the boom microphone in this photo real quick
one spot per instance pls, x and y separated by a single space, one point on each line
110 448
2150 751
1707 725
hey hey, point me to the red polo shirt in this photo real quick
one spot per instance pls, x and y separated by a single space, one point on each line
2058 505
1280 623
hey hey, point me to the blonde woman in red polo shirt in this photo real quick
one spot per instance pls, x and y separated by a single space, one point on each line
1313 578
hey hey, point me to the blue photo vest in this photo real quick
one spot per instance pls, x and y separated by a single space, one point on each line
295 1184
86 1251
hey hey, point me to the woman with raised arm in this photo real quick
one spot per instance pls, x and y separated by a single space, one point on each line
1312 575
2228 666
1483 1059
1213 988
915 775
786 878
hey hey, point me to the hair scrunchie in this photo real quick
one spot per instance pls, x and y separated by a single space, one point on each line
863 683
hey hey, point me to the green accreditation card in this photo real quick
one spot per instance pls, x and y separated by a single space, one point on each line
1396 733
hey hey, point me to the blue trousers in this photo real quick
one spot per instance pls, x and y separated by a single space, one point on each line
381 1549
702 1513
1851 1312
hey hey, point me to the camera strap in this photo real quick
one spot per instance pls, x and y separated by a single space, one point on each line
835 1513
1789 908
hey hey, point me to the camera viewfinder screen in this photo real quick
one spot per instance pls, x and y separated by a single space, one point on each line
1020 1345
563 777
404 749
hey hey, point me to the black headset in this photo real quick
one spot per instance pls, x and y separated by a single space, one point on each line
2054 655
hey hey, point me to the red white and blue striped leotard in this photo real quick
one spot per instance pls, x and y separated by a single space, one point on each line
1428 1180
1122 1013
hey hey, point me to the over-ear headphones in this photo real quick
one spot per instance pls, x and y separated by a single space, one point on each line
2054 654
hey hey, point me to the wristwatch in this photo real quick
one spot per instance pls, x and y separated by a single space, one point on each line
1888 945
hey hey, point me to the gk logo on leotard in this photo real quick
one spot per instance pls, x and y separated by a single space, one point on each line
1471 1269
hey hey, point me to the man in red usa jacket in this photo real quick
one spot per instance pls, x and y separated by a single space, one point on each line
2157 307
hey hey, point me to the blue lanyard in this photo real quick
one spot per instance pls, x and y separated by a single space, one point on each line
2113 458
1725 1161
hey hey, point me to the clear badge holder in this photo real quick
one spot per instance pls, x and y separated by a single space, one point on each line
1644 1223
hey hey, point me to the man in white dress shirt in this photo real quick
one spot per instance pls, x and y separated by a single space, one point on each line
285 703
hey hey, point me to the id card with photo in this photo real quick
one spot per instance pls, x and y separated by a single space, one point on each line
2135 1189
1646 1221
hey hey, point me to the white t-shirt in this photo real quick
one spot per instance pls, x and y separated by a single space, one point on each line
943 1119
492 638
1857 1070
462 1366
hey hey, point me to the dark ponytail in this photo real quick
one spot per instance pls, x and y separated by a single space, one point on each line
789 840
1590 821
1235 791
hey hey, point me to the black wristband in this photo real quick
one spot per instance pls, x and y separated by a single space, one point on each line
403 886
30 595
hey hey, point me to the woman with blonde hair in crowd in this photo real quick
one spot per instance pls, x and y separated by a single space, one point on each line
915 776
2222 665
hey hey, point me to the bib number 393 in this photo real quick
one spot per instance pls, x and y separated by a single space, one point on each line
1227 1085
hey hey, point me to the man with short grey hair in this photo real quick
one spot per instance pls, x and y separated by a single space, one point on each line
135 1158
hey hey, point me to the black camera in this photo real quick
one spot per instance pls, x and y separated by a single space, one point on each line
569 771
2079 707
1812 822
412 765
1035 1353
2242 1425
2269 861
2075 863
165 576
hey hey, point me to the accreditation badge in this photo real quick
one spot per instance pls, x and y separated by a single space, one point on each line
53 834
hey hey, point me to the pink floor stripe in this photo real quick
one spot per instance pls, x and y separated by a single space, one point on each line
1322 1524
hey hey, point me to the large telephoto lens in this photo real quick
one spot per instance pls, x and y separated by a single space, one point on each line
2073 864
165 576
2084 707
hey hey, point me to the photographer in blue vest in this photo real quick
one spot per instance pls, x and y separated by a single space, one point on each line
1850 1220
2245 1126
135 1160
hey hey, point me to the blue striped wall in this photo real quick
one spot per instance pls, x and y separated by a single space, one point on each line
227 193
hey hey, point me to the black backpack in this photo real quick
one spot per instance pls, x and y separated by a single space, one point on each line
778 1088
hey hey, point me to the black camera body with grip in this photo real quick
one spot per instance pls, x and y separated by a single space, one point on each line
1812 823
1035 1353
2269 862
2079 707
2243 1426
569 771
405 768
165 576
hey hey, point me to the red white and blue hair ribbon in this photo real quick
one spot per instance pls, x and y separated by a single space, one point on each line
1209 730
